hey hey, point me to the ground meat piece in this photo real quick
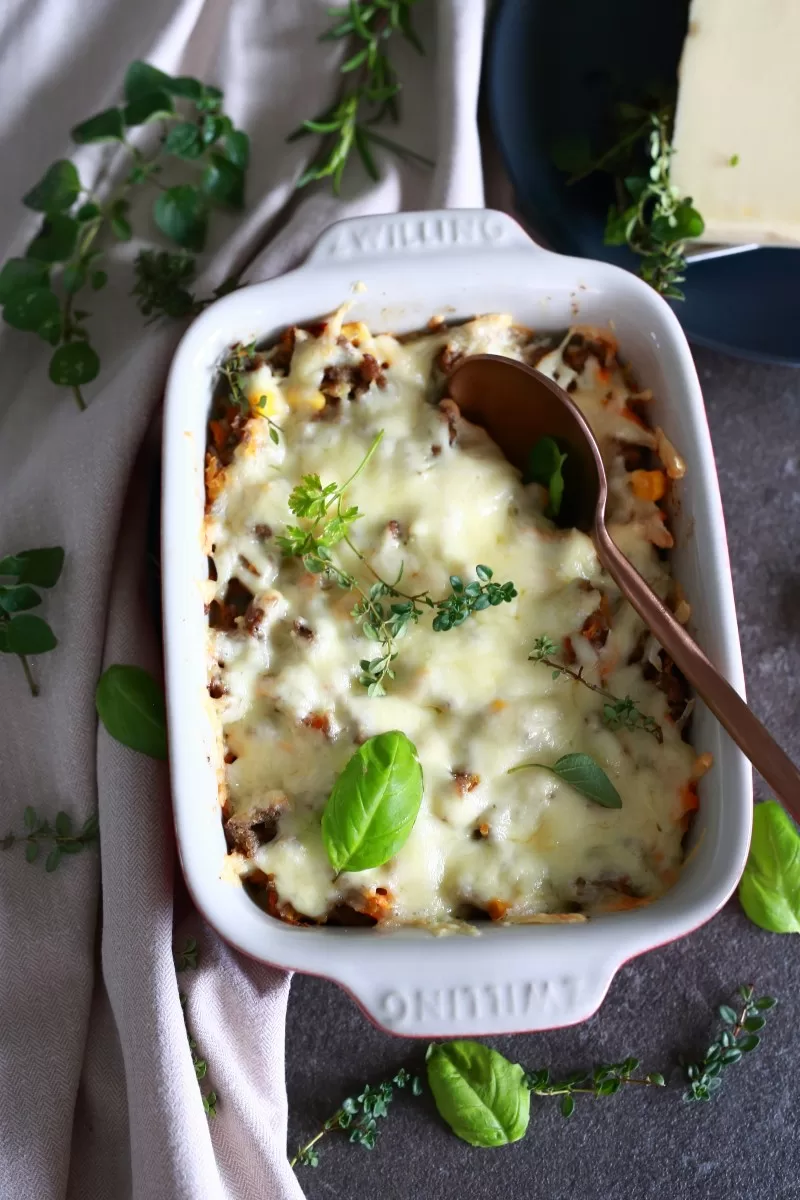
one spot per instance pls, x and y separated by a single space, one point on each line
372 371
281 357
576 352
262 532
216 688
253 618
303 631
221 616
632 456
245 832
238 596
465 782
447 358
345 914
230 758
596 626
572 386
394 530
212 570
451 414
436 451
336 382
568 651
670 681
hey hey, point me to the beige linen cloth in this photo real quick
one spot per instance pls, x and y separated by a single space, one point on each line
98 1097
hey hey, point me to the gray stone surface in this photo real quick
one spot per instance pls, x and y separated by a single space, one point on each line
642 1144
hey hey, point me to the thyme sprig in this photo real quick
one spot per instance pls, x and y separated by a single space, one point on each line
650 215
186 959
382 623
359 1116
64 837
605 1080
235 368
618 713
739 1037
40 292
369 94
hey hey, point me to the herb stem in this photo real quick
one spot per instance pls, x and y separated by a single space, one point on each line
78 396
32 684
612 153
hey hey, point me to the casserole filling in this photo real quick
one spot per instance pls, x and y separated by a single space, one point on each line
289 665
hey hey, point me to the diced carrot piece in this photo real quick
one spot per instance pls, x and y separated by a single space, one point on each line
498 705
649 485
497 909
219 433
377 903
630 415
702 764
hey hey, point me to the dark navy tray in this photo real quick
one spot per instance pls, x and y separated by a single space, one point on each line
551 67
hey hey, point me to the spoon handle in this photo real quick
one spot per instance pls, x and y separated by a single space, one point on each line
725 703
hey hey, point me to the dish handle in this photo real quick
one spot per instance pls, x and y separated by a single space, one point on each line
555 989
443 231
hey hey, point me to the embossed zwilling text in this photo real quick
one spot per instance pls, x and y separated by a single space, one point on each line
468 1003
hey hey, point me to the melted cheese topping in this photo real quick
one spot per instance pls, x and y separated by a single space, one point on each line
293 710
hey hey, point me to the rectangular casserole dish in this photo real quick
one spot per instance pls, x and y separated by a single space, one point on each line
456 263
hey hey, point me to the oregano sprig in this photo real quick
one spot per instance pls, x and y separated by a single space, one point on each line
40 292
20 632
369 94
618 713
61 836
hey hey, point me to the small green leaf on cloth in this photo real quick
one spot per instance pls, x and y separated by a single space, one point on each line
130 704
57 190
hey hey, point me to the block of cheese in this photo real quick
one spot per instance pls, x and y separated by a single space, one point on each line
738 117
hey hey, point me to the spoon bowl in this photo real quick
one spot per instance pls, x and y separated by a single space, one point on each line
517 405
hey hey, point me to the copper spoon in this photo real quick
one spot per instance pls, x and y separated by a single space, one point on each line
517 405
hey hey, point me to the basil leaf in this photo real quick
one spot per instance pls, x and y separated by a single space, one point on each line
581 772
130 703
374 803
40 567
29 635
479 1093
545 463
17 599
106 126
18 274
769 890
56 190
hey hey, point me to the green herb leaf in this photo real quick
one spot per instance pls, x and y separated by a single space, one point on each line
53 859
88 211
142 80
98 280
582 772
184 85
57 190
56 239
31 852
374 803
73 278
148 107
130 703
40 567
106 126
184 141
545 464
223 182
74 364
31 307
769 890
180 212
479 1093
733 161
18 599
19 274
29 635
237 148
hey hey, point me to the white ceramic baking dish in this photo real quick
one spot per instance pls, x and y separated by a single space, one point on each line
414 265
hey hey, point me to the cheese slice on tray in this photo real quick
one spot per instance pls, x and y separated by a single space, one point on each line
737 120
